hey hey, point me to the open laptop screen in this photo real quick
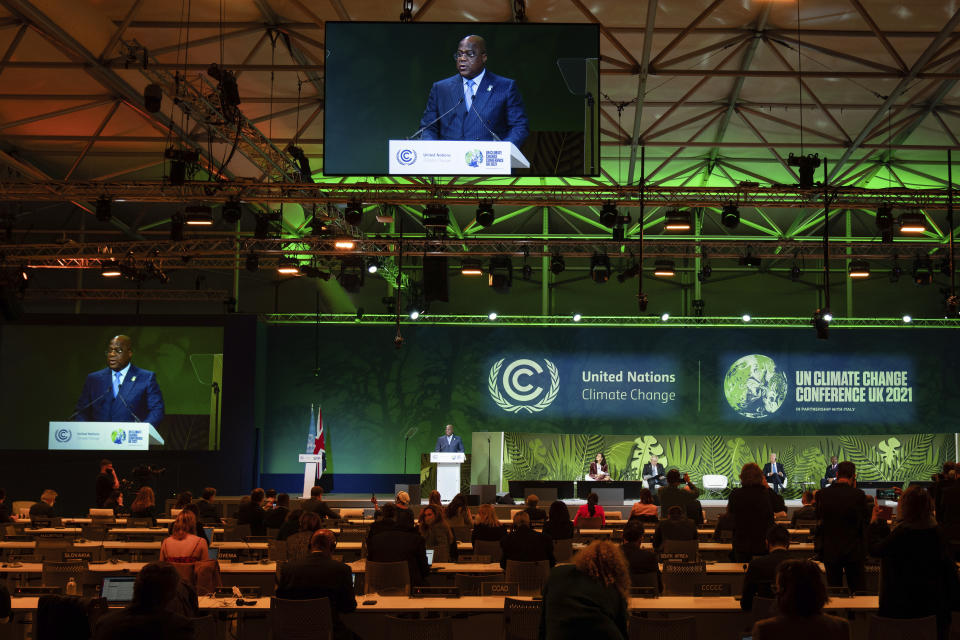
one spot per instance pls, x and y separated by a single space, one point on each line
118 589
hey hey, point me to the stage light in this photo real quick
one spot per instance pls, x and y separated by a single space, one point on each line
103 209
730 216
895 271
749 260
677 221
746 317
110 269
795 272
642 302
436 215
500 273
353 213
231 211
261 230
609 214
953 307
698 308
414 314
344 244
705 272
577 317
912 223
828 316
288 266
492 316
485 214
176 227
821 323
806 166
199 216
373 266
253 262
152 98
859 269
907 319
884 222
471 267
664 317
526 272
599 268
664 269
922 271
557 264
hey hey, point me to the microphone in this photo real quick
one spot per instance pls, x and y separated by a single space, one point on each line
436 120
88 405
124 402
482 121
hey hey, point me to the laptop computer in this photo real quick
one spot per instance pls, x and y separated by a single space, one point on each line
118 589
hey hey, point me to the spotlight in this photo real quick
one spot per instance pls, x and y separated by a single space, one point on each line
895 271
821 322
352 272
526 272
288 266
664 317
599 268
436 215
253 262
152 98
303 164
677 221
110 269
749 260
353 213
176 227
859 269
231 211
806 165
664 268
500 273
746 317
318 226
609 214
414 314
705 272
313 272
344 244
103 209
922 271
730 216
262 228
492 316
470 267
884 222
642 302
557 264
199 216
485 214
577 317
907 319
912 223
953 307
698 307
372 266
795 272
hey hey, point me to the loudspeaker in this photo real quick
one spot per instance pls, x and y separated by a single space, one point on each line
152 98
435 279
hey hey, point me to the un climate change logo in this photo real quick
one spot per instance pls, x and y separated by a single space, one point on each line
406 157
754 387
63 435
517 388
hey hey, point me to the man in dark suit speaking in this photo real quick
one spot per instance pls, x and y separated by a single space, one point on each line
121 392
475 104
448 442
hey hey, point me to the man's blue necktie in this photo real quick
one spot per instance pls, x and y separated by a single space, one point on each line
116 383
468 94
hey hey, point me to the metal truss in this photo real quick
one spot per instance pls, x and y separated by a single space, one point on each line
452 192
131 295
613 321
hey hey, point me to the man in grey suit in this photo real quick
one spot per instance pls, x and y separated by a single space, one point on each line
449 443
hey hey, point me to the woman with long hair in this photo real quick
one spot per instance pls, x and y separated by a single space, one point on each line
558 525
436 532
644 510
144 505
801 594
183 544
587 599
298 544
183 499
598 468
488 527
590 510
458 513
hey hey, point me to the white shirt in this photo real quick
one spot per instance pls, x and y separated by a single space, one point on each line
476 80
123 374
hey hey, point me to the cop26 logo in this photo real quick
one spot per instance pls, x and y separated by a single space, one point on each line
524 385
406 157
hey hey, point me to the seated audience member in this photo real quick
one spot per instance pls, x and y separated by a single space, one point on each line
752 505
5 515
590 510
115 502
587 599
317 505
291 525
184 545
762 572
144 505
532 510
801 594
676 527
251 513
205 506
918 576
320 576
525 544
269 499
644 510
435 499
641 561
808 512
44 508
457 513
726 523
148 617
404 516
183 499
559 525
436 532
676 495
395 542
487 527
298 543
278 515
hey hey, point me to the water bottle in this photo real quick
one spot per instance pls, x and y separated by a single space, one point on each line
72 589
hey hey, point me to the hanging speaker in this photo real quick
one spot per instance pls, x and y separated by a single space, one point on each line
435 279
152 98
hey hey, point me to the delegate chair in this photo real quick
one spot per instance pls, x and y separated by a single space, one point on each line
490 548
562 550
662 629
521 619
902 629
419 628
531 576
301 619
388 578
204 628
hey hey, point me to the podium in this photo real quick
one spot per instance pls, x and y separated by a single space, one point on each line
311 460
102 436
448 473
454 158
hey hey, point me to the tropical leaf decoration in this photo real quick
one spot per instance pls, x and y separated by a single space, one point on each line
787 456
714 458
868 461
644 447
918 459
739 455
889 452
619 460
565 458
809 466
761 455
682 454
523 463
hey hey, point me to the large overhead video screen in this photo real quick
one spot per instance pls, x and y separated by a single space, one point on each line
449 94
